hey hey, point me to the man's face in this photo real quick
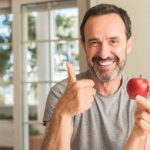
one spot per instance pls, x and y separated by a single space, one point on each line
106 46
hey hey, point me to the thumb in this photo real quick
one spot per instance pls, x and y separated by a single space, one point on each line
71 73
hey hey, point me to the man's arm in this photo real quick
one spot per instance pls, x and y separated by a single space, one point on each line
135 142
58 133
77 98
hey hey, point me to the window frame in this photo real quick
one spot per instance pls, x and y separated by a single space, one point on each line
16 46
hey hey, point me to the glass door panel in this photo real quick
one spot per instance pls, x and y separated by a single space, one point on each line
6 80
50 39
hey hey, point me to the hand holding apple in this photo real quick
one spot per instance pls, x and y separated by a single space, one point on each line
140 87
137 86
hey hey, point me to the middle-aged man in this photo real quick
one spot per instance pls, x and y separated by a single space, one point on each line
92 111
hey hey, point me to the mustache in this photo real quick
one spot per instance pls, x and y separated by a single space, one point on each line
98 59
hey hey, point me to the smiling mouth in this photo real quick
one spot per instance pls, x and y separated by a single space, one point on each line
105 63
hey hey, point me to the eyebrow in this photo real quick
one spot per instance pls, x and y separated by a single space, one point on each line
97 39
113 38
92 39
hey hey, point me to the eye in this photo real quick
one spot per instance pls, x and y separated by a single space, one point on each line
114 42
93 43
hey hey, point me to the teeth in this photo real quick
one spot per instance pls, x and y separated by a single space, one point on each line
104 63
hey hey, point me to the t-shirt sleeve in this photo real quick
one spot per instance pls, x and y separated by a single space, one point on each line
52 99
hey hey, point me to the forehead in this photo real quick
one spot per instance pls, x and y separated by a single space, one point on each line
105 24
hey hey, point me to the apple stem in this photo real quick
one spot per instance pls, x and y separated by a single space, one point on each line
140 76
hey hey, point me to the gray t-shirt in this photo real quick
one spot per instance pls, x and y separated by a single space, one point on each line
105 126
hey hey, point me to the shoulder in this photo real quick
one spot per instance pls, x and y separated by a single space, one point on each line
126 78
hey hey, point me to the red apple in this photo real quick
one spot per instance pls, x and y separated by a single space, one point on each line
137 86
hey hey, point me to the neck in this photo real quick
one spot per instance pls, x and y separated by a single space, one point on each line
107 88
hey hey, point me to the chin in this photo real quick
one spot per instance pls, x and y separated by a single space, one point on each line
107 77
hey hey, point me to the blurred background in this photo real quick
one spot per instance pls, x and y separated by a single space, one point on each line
37 38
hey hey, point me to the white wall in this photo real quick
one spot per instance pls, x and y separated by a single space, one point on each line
139 12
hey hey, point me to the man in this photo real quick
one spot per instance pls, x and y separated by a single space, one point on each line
92 111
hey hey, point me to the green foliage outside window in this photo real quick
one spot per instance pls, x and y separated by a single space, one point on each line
5 46
66 50
64 25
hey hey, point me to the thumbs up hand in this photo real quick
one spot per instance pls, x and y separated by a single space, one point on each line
78 95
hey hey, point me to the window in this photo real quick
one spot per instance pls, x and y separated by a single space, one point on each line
6 60
50 38
6 78
37 37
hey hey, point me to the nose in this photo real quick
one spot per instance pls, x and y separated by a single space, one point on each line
104 50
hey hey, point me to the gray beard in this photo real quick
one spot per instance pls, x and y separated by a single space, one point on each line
107 78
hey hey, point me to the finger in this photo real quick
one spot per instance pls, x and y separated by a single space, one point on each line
85 83
143 102
144 115
71 73
87 91
143 124
88 99
86 104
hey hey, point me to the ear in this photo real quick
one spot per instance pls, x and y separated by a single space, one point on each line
129 45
